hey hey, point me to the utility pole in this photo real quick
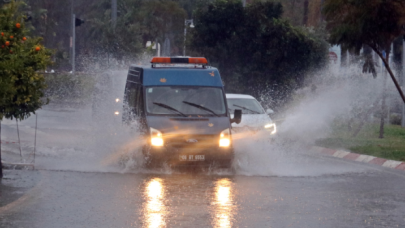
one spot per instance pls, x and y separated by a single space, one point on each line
72 37
73 43
403 80
1 163
113 25
114 13
244 3
71 32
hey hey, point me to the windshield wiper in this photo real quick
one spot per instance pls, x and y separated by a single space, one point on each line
246 109
170 108
200 107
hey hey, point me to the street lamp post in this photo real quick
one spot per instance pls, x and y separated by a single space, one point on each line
186 23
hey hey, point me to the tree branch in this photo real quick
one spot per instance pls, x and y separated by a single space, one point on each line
387 66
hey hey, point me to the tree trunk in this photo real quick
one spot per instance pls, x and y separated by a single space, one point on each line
1 164
305 18
349 125
343 57
397 55
383 106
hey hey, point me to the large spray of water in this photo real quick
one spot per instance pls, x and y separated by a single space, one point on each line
73 138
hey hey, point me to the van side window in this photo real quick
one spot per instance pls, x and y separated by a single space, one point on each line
139 101
134 100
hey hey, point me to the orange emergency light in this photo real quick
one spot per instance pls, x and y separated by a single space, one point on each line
182 60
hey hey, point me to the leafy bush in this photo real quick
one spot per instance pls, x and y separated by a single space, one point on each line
395 119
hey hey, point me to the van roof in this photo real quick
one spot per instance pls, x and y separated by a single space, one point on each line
240 96
172 76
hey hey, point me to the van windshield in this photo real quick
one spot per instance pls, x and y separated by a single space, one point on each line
185 100
248 106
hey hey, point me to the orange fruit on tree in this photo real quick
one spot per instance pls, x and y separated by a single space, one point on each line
11 52
24 38
7 43
2 34
11 37
18 25
2 46
37 48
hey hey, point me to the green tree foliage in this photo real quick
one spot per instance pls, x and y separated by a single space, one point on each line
51 20
21 57
376 23
190 5
137 22
163 19
254 48
122 40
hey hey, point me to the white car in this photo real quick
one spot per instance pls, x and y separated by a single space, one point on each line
254 117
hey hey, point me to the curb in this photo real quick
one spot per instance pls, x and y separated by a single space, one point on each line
12 142
7 142
18 166
361 158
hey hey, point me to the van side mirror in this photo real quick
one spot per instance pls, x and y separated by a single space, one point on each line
237 116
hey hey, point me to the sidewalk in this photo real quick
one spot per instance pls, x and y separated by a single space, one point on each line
15 184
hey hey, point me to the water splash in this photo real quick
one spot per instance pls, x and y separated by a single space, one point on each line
71 138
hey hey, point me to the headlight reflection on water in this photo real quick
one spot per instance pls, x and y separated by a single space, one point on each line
154 210
224 205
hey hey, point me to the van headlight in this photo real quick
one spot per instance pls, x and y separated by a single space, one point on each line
156 137
225 138
271 127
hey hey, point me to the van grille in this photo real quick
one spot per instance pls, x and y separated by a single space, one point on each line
191 140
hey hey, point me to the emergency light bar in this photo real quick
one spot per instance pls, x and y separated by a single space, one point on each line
183 60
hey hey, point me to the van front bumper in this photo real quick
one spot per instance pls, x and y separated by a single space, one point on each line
190 155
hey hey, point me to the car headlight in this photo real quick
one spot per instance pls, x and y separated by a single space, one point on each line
271 127
156 137
225 138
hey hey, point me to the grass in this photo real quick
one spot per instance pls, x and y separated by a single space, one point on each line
392 146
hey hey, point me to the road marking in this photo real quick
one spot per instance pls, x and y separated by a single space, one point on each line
360 158
391 164
364 158
376 168
352 156
378 161
340 154
317 149
401 167
328 151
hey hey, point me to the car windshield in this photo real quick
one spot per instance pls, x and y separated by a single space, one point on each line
248 106
185 100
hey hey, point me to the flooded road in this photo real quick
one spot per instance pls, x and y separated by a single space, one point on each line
368 198
92 175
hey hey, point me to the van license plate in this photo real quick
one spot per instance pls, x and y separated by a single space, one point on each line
192 157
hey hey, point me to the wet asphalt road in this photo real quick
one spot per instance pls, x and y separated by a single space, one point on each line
368 196
272 187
